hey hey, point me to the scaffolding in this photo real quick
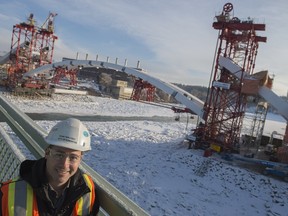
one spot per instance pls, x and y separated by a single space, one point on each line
251 142
225 104
143 90
31 47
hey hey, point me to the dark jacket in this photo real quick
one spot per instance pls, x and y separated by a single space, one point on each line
33 172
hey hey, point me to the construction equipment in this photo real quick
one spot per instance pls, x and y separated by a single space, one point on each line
31 47
225 105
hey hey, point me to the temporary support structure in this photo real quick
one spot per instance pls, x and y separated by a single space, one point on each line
21 50
257 120
31 47
64 72
44 42
225 104
143 90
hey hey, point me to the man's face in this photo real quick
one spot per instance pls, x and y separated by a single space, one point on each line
62 163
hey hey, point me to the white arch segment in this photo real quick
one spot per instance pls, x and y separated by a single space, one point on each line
5 58
277 102
185 98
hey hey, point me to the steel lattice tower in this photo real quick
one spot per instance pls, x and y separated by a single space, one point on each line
225 104
44 41
21 49
31 47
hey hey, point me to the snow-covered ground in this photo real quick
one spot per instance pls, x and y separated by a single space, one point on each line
149 162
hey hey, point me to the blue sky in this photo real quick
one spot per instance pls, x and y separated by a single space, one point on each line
173 40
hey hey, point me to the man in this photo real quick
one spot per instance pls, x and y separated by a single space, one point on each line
54 184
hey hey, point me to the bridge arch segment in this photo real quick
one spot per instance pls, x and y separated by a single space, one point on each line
183 97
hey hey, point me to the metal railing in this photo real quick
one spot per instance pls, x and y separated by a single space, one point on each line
10 157
112 201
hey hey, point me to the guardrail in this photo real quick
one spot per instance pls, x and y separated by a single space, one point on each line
10 157
113 201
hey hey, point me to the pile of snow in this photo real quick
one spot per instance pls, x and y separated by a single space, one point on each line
149 163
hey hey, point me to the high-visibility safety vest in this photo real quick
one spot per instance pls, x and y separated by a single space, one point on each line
19 199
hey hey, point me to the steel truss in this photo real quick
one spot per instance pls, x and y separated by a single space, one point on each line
31 47
143 90
225 104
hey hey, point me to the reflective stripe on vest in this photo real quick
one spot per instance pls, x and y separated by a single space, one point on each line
85 203
19 200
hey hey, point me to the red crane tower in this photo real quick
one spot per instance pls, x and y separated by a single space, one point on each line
225 104
31 47
21 49
44 42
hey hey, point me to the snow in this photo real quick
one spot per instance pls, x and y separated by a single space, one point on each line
148 161
87 105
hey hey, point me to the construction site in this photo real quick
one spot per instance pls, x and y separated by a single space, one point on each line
28 68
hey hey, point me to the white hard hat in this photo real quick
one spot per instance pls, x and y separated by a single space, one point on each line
70 133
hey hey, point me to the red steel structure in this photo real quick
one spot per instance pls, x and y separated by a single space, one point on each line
21 50
31 47
70 74
44 42
225 104
143 90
